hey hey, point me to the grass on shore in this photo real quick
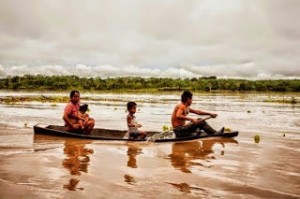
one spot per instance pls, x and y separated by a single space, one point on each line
65 99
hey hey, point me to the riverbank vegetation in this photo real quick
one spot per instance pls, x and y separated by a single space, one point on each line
58 83
54 99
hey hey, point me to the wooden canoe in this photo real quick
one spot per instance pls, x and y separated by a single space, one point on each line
118 135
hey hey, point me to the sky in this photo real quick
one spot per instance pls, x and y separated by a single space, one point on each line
252 39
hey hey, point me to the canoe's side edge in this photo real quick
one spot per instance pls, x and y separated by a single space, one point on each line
225 135
50 131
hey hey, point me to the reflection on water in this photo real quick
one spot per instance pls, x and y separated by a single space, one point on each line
129 179
184 153
183 187
186 188
77 160
72 186
132 151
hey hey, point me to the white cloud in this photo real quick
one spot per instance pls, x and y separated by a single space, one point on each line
246 70
165 38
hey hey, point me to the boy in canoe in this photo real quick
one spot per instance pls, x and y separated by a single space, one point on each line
133 125
180 116
72 118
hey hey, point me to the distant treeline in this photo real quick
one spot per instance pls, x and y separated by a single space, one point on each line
40 82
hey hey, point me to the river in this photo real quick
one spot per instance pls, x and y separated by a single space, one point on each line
54 167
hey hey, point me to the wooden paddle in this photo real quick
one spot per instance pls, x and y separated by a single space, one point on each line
207 118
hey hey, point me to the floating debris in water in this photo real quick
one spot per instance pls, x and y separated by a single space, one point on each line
256 138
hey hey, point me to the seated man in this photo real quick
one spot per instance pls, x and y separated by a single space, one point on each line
72 118
179 117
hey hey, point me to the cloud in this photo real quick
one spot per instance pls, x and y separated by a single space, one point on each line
246 70
251 38
102 71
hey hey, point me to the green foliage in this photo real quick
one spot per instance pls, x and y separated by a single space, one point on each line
165 128
41 82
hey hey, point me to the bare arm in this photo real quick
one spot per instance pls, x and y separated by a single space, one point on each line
129 123
81 116
180 114
86 117
200 112
67 119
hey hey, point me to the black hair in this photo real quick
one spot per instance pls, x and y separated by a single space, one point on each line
83 108
185 96
72 93
130 105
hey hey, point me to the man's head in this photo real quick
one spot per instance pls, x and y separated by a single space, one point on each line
75 96
186 97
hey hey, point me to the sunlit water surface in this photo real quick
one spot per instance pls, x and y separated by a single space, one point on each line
54 167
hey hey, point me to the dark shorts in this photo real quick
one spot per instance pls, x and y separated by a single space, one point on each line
134 135
188 130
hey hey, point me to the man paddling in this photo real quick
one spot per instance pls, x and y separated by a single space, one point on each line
71 116
180 116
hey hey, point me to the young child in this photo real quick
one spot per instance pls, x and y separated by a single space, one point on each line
84 117
132 124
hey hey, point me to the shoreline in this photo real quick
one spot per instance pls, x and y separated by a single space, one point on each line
12 97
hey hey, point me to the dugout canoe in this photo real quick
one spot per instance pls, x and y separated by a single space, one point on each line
119 135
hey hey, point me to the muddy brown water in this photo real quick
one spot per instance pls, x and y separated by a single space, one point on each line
37 166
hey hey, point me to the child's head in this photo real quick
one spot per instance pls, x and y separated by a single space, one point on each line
83 108
131 107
